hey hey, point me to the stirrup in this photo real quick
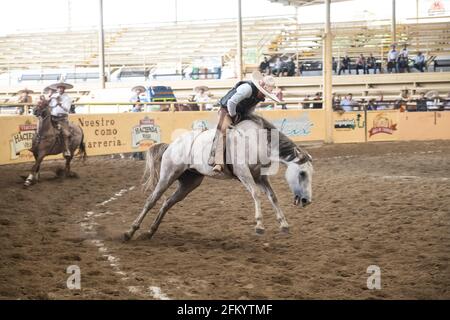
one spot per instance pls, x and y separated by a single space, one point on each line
66 153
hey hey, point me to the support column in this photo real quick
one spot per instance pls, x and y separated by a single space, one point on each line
101 47
393 24
327 75
238 57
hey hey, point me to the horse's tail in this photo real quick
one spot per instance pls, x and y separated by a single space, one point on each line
153 165
82 147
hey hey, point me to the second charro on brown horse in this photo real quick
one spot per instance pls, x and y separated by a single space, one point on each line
48 141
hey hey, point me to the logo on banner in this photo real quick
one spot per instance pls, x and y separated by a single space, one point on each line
295 127
349 124
382 124
146 133
22 140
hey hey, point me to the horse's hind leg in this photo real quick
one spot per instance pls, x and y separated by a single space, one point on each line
187 183
267 188
163 184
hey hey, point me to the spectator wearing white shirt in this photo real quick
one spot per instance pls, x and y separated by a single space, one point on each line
392 59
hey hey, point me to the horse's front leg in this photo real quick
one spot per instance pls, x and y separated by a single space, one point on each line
267 189
34 175
67 170
248 181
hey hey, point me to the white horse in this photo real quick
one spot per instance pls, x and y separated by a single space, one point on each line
186 160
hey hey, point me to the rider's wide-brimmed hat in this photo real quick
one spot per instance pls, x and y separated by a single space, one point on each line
138 88
26 90
265 84
60 84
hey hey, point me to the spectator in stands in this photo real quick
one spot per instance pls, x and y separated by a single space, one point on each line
419 61
264 66
203 96
24 97
371 63
317 97
421 103
345 65
336 101
404 53
403 60
403 101
290 66
334 64
381 104
361 64
348 103
392 59
277 69
372 105
138 92
306 103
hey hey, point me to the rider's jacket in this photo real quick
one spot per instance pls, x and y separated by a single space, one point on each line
241 98
60 104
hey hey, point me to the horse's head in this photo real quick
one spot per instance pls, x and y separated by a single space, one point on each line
299 177
42 108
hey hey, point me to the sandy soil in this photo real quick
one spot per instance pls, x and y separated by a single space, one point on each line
384 204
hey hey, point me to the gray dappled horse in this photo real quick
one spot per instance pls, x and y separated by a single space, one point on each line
48 141
186 160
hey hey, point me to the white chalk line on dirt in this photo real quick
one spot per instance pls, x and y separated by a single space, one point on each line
88 225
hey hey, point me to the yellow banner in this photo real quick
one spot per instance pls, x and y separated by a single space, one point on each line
134 132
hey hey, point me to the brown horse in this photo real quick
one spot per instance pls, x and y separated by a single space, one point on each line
48 141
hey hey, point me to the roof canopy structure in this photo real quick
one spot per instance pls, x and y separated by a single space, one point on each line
302 3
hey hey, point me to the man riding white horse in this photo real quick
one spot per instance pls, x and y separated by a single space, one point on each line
240 100
60 104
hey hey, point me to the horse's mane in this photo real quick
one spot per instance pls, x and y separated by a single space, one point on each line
287 147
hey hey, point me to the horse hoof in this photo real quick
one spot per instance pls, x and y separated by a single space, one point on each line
284 230
259 231
127 236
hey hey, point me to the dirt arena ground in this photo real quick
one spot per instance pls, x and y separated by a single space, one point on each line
384 204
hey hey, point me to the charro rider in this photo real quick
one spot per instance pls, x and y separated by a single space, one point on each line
241 99
60 104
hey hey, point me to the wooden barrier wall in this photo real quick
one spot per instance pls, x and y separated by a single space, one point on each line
132 132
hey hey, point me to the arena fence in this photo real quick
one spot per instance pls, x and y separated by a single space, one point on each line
112 133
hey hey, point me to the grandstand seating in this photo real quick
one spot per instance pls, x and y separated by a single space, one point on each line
184 42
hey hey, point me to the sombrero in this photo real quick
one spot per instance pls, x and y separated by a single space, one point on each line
261 81
25 90
433 94
140 88
60 84
204 88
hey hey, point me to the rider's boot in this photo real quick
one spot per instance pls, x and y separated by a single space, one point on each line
218 168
